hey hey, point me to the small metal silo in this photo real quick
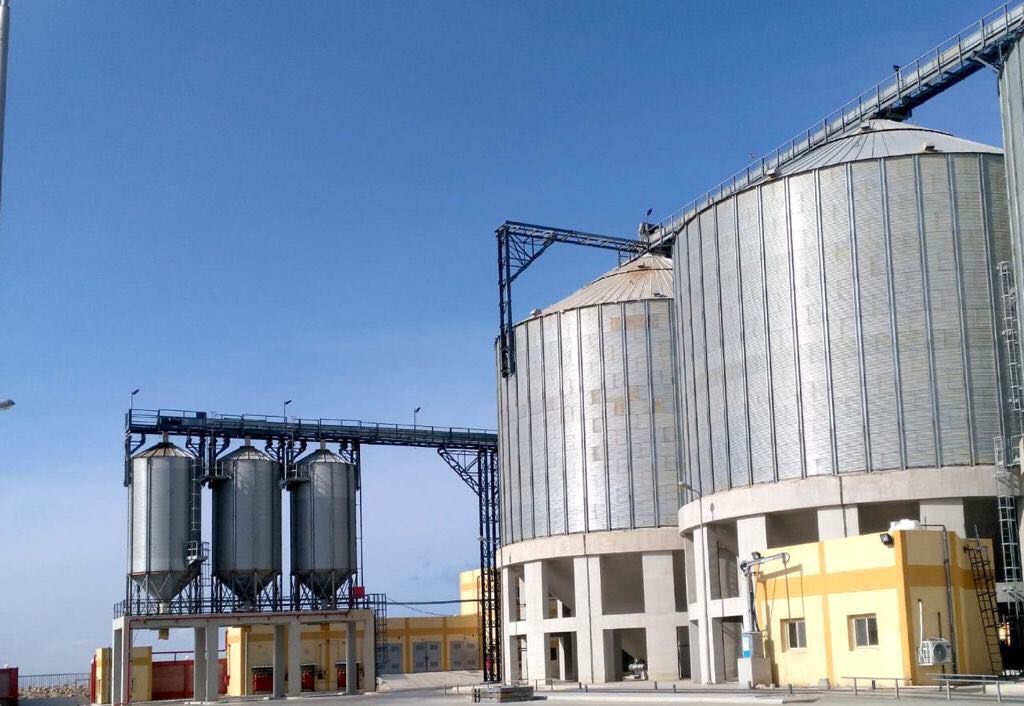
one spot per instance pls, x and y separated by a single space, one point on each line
247 522
162 501
323 523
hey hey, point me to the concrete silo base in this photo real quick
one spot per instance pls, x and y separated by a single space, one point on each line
287 647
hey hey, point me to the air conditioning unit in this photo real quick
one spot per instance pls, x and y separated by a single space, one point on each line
934 651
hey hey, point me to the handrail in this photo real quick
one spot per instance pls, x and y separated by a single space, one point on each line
929 73
895 680
968 679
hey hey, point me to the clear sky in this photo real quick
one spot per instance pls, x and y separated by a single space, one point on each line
229 204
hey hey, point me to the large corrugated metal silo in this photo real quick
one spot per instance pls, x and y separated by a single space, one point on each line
1011 103
841 316
323 523
161 512
247 522
587 423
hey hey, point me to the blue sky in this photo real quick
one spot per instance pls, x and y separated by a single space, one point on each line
228 204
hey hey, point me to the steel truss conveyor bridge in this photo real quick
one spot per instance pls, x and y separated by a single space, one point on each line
471 453
979 45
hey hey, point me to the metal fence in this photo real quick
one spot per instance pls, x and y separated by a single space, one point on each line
72 680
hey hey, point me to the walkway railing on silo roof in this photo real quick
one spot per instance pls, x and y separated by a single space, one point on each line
909 86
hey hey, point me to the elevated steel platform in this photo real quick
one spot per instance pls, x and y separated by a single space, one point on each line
265 428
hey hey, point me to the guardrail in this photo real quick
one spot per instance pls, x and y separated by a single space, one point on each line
895 680
917 80
983 680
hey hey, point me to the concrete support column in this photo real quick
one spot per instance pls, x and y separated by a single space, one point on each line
660 601
199 665
121 662
279 661
589 609
370 661
508 670
351 668
838 521
699 611
948 512
751 536
212 663
536 594
294 658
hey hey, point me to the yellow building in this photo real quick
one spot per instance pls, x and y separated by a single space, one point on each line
851 607
420 644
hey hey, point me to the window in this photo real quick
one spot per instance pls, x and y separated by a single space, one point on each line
865 630
796 635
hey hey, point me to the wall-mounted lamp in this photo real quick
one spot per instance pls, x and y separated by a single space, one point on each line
887 539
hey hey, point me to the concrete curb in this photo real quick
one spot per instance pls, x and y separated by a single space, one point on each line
677 698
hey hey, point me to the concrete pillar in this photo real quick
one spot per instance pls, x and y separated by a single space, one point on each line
199 664
370 656
699 610
121 662
838 521
212 663
751 536
508 670
589 609
947 511
536 593
279 661
294 658
351 667
660 602
695 650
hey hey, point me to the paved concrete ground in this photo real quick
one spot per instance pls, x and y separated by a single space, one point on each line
634 697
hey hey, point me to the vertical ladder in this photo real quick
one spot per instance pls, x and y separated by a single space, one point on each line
1011 344
1007 481
985 588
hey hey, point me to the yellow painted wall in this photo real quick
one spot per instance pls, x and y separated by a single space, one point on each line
430 629
324 646
104 663
142 673
827 583
469 590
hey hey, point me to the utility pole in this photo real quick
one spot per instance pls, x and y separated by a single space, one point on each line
5 22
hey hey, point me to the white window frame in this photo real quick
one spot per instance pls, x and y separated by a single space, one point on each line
799 626
866 619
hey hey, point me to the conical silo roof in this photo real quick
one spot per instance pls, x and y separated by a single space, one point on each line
883 138
247 453
163 449
321 456
646 277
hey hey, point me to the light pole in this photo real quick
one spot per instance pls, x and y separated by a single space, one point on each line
284 409
705 579
131 400
414 413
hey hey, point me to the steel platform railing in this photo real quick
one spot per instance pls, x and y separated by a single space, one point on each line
978 45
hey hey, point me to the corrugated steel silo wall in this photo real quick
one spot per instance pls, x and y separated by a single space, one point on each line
247 521
160 512
587 424
1011 104
844 320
